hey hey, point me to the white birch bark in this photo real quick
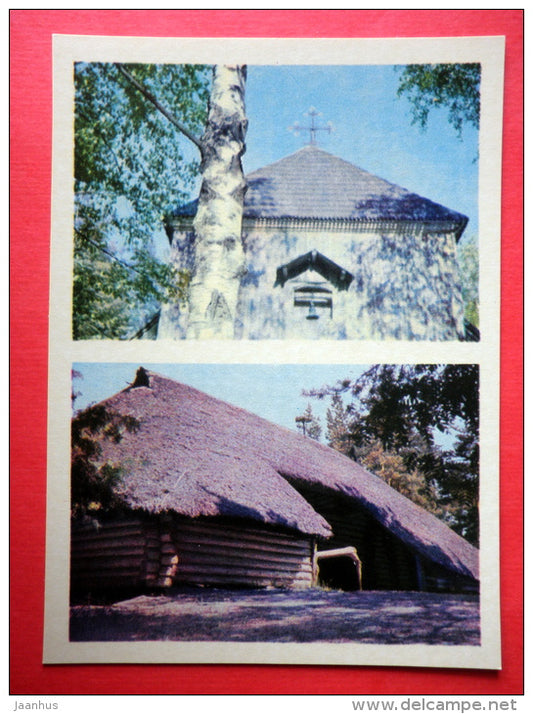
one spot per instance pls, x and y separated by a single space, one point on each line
219 256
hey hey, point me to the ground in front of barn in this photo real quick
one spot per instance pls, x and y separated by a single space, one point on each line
312 615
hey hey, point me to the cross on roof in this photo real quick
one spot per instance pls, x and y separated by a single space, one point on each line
313 128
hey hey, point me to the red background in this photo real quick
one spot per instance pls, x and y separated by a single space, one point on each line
31 131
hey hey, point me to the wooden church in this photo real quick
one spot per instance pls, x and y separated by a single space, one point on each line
213 495
332 251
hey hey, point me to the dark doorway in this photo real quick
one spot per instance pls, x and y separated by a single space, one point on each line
338 573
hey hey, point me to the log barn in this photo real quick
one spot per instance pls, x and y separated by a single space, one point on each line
213 495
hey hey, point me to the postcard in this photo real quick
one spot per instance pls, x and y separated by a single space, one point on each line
274 350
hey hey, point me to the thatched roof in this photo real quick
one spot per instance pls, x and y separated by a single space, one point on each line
199 456
312 183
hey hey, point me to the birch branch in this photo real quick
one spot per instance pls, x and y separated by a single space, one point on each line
148 95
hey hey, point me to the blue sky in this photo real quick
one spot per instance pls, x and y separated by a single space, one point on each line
372 130
270 390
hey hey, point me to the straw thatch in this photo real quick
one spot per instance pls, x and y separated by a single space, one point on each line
198 456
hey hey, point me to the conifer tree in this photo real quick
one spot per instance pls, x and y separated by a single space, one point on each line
308 424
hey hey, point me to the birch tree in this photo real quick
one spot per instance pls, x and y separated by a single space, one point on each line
219 256
124 178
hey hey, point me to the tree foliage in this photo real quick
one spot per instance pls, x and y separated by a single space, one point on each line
468 262
416 426
308 424
131 165
95 483
338 425
454 87
410 481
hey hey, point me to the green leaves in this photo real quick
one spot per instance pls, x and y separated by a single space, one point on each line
131 165
416 426
95 484
468 262
454 87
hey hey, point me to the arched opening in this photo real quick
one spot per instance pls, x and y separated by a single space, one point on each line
339 569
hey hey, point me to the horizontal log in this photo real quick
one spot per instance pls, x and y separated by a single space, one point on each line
110 558
117 576
151 529
111 527
232 568
210 580
109 564
221 552
219 540
230 557
234 572
244 582
136 554
114 572
112 546
94 583
152 564
349 552
236 533
101 584
245 551
78 538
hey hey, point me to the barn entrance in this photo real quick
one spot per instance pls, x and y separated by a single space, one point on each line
339 569
387 564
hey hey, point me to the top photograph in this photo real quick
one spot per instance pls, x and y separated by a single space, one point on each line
277 202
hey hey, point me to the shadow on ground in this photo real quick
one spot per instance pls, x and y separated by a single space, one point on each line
284 616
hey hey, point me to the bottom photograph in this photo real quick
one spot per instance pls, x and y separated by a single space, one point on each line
275 503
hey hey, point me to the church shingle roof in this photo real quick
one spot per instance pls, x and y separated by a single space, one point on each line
312 183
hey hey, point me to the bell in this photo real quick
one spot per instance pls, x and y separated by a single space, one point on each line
312 314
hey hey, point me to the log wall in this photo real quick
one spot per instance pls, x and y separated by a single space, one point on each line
108 556
233 555
136 553
438 579
139 553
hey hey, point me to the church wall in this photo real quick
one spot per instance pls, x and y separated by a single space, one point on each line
405 285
